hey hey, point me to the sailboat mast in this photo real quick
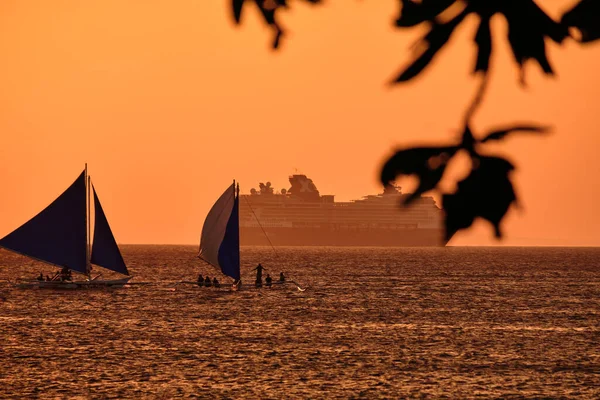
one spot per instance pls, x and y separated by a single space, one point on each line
87 223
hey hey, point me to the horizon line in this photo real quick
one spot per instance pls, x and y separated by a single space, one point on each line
384 247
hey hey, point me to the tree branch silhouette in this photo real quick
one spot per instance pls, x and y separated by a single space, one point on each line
487 192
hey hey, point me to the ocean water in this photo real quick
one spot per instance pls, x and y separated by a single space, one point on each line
373 323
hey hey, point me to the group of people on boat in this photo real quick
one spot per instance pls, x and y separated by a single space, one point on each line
63 275
268 280
207 282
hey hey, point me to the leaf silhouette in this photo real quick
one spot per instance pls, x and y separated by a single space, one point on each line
527 43
268 10
428 163
502 133
412 13
486 193
435 39
585 16
237 6
483 39
528 26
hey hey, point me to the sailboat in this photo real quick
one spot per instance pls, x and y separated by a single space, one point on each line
220 238
60 235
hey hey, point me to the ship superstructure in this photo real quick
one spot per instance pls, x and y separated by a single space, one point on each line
301 216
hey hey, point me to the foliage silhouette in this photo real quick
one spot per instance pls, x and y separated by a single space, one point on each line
584 17
268 9
528 26
487 192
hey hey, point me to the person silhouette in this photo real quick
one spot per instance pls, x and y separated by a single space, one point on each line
259 269
268 280
65 274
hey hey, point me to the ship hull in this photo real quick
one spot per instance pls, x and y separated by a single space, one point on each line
326 237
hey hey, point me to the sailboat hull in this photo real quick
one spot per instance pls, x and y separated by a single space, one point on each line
55 285
58 285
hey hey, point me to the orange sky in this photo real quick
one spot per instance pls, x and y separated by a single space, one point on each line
167 102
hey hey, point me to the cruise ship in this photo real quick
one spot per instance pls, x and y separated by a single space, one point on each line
301 216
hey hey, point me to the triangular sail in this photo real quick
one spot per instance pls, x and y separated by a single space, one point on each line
229 251
220 242
57 235
105 251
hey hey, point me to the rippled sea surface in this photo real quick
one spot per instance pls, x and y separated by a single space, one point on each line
372 323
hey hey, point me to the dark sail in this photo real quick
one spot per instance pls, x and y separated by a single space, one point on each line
105 251
219 243
56 235
229 251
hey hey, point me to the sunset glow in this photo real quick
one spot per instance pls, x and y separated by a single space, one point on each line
168 101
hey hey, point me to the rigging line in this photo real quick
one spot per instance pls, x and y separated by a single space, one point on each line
261 227
273 247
